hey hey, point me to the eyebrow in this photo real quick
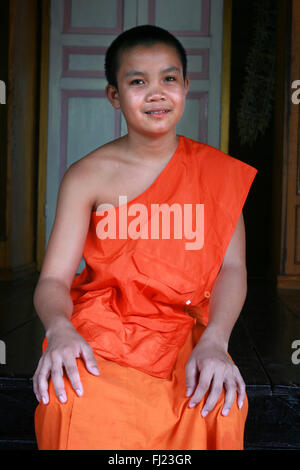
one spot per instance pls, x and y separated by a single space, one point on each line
138 72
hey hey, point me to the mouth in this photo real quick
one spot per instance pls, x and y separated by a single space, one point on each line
157 112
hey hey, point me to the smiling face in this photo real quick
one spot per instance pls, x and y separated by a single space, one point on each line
151 91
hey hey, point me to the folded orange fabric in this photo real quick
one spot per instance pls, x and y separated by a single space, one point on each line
126 409
136 302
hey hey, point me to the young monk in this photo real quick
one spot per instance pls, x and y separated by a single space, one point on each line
135 352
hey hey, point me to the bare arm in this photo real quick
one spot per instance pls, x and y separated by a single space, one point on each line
52 299
53 304
209 359
229 291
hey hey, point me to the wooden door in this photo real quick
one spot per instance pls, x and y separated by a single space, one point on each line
289 269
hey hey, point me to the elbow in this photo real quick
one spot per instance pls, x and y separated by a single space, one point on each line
38 294
238 273
242 275
237 267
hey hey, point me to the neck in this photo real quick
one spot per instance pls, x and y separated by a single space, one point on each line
149 148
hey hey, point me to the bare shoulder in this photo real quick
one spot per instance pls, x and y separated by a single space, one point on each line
82 185
102 156
97 171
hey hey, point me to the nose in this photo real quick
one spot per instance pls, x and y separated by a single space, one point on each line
155 94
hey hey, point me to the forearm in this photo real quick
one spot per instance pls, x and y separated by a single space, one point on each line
53 304
226 302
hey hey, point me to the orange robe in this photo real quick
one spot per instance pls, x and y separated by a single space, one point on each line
142 303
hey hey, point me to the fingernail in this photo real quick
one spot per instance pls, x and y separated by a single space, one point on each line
191 404
204 413
225 412
62 397
79 392
188 392
95 370
44 399
240 405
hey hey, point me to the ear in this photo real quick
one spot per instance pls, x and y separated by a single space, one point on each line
186 85
113 96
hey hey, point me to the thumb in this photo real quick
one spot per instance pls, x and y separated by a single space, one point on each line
191 373
90 361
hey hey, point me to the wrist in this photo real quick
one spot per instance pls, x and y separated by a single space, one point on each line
215 335
57 326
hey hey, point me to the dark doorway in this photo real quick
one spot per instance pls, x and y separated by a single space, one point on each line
4 36
252 81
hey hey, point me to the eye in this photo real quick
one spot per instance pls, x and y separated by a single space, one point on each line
172 78
136 80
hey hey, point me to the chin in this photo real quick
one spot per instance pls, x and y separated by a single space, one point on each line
157 132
